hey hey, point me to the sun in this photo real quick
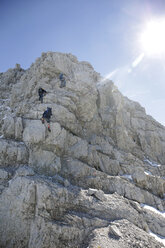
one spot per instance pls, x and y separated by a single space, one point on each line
152 38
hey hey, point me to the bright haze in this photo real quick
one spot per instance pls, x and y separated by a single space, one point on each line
124 40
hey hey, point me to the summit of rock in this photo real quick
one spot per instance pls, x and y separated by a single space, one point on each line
87 182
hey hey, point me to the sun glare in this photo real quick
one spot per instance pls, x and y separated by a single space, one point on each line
152 38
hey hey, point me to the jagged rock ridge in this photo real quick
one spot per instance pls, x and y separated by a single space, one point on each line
83 184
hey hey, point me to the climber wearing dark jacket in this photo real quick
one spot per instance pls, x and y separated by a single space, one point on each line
62 79
41 93
46 116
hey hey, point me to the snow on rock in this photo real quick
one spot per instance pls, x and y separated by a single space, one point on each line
147 207
152 163
148 173
129 177
158 238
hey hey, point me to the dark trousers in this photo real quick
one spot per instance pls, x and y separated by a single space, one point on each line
63 83
41 98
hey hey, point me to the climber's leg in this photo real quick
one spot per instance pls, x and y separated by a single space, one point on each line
64 83
61 84
49 127
42 119
48 121
41 99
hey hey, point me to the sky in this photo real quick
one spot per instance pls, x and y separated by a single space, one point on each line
106 33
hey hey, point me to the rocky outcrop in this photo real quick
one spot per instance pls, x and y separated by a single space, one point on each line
122 234
82 184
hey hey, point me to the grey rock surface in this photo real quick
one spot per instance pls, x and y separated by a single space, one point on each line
82 184
125 235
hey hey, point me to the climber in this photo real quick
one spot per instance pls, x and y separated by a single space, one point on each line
41 93
46 116
62 79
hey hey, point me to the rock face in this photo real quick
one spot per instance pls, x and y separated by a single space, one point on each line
85 183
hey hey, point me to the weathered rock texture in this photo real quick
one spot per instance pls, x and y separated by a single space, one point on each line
83 184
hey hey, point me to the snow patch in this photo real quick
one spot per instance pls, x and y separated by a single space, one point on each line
22 143
1 136
127 177
148 173
157 237
152 163
4 100
152 209
8 108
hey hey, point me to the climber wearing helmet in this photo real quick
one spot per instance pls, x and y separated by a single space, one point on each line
46 116
41 93
62 79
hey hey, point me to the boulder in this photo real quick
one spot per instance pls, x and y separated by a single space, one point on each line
12 153
34 132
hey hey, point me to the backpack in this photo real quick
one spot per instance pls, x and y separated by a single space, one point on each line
40 90
47 113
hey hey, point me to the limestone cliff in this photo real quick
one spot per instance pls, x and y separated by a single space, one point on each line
85 183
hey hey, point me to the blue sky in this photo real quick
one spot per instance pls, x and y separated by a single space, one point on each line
102 32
